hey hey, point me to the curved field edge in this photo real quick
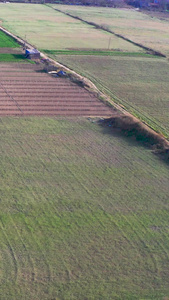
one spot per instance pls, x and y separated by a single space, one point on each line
131 82
73 225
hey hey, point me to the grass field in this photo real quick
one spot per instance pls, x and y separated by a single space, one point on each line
141 28
84 211
6 41
8 57
73 225
139 84
8 47
47 29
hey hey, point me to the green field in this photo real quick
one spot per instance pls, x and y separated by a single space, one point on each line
83 213
7 44
140 84
149 31
8 57
6 41
47 29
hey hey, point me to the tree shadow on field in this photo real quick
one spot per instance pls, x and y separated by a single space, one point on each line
136 133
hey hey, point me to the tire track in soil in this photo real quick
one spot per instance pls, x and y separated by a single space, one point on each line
19 235
27 251
65 143
145 245
44 211
34 196
12 251
66 245
54 209
115 224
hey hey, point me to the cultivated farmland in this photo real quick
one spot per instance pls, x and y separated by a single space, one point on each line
132 82
55 30
139 27
6 41
24 90
10 50
139 84
83 213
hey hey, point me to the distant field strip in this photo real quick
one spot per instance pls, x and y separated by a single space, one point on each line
23 91
56 30
137 26
81 211
139 84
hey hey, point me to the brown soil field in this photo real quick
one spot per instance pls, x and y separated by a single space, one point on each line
11 50
26 91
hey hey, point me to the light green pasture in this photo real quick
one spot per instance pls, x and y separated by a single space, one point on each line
84 213
137 26
47 29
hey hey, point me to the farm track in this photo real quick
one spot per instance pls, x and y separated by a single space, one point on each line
26 91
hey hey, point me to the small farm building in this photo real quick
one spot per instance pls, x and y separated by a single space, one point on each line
32 53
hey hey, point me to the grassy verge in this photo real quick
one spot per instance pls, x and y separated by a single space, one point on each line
83 213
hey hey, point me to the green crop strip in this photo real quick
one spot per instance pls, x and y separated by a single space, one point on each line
7 41
8 57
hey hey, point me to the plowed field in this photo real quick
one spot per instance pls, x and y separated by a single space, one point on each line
25 91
